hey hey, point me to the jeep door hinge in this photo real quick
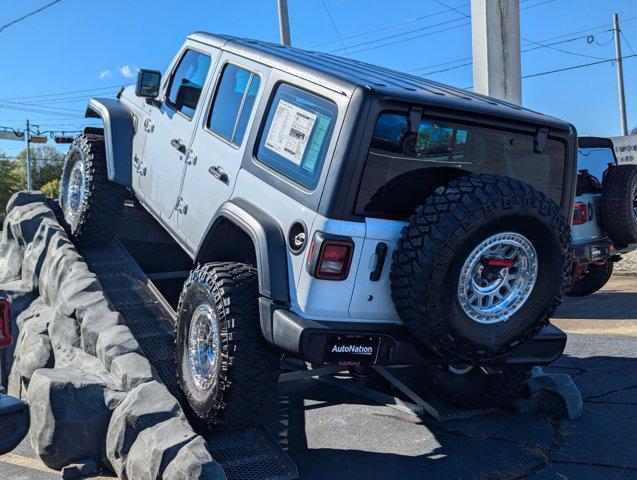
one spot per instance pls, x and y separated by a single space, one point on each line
191 158
182 206
140 167
149 126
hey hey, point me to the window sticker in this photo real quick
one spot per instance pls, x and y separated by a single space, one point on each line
290 131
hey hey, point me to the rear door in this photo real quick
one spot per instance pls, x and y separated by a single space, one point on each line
219 143
170 129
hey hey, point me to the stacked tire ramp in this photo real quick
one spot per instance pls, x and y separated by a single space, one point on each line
94 397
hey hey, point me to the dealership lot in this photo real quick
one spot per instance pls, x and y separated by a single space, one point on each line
329 432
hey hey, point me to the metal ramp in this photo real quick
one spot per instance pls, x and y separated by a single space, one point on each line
403 388
245 455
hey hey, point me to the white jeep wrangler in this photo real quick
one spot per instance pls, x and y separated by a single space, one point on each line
338 212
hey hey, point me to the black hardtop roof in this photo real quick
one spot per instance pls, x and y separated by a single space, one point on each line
595 142
348 74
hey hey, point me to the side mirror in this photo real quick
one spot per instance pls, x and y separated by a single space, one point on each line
148 83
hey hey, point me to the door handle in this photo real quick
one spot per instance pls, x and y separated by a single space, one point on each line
179 146
218 174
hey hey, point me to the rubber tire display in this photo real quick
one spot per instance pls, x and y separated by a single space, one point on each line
245 389
477 388
439 238
619 197
591 280
101 206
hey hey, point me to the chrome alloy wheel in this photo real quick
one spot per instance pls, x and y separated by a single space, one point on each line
75 190
497 278
204 345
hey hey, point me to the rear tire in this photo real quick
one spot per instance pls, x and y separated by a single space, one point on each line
231 384
91 204
619 204
591 280
472 387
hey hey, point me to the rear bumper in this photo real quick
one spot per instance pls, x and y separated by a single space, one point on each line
597 251
309 339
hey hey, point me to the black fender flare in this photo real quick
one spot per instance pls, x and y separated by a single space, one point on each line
119 129
269 242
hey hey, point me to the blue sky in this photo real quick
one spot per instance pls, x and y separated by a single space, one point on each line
79 45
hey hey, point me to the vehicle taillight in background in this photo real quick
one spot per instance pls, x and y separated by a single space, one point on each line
580 214
330 257
6 338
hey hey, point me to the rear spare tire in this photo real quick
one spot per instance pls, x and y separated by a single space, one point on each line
481 267
90 203
619 204
591 279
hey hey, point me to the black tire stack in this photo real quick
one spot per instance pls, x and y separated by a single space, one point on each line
619 204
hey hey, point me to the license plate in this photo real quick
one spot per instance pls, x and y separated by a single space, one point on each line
351 349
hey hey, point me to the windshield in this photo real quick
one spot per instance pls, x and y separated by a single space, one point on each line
402 170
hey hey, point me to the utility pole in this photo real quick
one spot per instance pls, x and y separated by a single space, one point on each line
284 23
620 75
495 39
27 135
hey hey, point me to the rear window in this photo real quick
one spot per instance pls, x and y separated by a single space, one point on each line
594 162
403 170
297 134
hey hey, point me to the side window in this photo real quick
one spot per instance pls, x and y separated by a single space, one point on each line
297 134
188 81
233 103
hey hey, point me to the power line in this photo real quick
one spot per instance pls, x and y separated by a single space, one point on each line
465 23
383 28
574 67
110 87
13 22
338 34
595 29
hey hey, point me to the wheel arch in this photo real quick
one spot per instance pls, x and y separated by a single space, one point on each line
239 226
119 129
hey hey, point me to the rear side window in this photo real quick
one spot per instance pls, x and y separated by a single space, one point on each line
233 103
297 133
188 81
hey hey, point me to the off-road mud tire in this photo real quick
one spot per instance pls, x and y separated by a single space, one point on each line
619 199
245 390
591 280
478 388
101 208
441 235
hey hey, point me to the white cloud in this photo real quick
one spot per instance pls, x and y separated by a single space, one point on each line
126 71
105 74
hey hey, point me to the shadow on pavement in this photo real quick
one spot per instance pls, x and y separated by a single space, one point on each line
333 435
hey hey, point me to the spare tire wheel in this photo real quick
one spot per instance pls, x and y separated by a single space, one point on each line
619 204
481 267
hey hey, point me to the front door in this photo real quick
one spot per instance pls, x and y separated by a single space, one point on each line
170 128
219 143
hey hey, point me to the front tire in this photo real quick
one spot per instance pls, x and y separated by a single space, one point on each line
90 203
591 280
473 387
225 367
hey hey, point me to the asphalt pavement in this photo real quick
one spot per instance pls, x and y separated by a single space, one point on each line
336 435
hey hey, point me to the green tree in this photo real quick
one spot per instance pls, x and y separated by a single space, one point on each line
10 179
46 165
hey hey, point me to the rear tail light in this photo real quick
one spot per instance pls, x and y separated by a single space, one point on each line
580 214
6 338
330 258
